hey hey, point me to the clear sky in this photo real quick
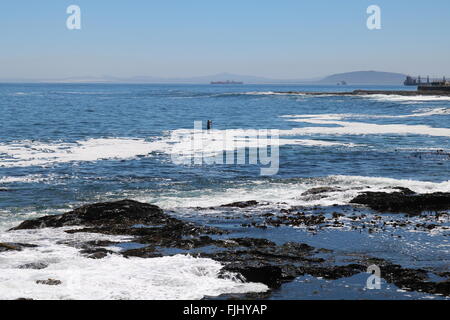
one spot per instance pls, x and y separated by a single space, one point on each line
182 38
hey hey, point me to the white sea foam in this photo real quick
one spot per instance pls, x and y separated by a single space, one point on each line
214 142
360 128
32 153
35 153
290 192
272 93
113 277
425 112
400 98
376 97
28 178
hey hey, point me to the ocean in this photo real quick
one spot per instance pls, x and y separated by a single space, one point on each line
66 145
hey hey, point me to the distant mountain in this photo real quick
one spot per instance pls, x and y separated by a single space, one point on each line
351 78
151 79
204 79
228 76
366 77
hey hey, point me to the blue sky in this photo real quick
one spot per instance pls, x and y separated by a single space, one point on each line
181 38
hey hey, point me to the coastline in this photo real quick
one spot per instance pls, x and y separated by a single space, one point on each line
254 256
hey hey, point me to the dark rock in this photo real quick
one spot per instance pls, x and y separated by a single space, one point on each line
96 253
34 265
101 243
146 252
404 202
265 262
156 228
246 242
414 280
405 191
254 259
334 272
240 204
124 213
269 275
15 246
319 190
49 282
9 247
337 215
297 220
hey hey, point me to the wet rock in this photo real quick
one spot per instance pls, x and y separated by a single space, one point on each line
297 220
254 259
271 276
147 224
123 213
101 243
240 204
319 190
414 280
266 262
34 265
404 202
96 253
410 279
121 218
273 265
337 215
334 272
147 252
9 247
49 282
405 191
246 242
15 246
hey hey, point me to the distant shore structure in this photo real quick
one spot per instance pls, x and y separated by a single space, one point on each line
429 84
227 82
411 81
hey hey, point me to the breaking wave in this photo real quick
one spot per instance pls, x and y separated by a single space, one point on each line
111 278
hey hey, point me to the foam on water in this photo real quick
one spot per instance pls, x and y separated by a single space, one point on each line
213 142
409 99
113 277
32 178
290 192
35 153
31 153
425 112
272 93
357 128
376 97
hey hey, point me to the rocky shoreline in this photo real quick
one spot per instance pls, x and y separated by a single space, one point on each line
252 259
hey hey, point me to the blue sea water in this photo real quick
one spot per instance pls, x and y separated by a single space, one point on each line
63 145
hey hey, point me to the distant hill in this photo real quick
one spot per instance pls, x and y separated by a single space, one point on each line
366 77
351 78
152 79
